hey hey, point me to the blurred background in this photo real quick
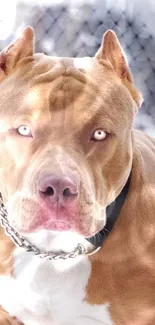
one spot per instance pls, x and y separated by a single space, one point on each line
75 28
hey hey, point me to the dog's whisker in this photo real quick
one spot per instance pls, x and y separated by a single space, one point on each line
106 230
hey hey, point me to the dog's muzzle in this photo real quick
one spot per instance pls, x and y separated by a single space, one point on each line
112 213
22 242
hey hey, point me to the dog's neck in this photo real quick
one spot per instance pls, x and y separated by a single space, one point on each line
112 213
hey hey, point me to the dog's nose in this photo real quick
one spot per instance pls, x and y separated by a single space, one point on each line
58 188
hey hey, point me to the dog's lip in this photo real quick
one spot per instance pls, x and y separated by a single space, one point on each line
53 225
58 223
63 225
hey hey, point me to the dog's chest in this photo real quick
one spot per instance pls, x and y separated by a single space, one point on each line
51 293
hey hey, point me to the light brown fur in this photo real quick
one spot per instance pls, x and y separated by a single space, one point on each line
124 269
5 319
58 98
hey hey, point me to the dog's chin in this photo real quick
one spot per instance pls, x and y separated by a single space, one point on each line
57 241
58 236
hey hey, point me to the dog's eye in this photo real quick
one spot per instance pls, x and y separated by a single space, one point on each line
99 135
24 130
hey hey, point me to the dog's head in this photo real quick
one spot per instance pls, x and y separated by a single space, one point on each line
65 135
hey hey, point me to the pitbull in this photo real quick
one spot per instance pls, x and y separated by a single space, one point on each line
68 154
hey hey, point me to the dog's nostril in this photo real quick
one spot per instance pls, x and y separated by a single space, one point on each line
49 191
58 188
67 192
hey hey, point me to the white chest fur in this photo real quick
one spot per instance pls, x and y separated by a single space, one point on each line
50 293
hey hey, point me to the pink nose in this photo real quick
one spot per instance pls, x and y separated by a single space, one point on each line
58 188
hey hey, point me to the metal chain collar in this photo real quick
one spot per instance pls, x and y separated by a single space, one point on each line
20 241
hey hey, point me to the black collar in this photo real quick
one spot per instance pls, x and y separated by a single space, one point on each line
112 213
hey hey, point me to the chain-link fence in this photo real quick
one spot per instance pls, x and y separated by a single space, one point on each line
75 28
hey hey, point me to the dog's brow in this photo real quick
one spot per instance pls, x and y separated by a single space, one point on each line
28 115
101 119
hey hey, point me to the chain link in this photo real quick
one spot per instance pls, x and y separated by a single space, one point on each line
20 241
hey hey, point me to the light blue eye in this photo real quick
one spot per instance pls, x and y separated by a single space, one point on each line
24 130
99 135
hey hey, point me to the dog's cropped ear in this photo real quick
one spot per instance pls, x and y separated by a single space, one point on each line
112 51
20 49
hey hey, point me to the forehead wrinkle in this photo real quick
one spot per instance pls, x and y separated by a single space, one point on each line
72 89
64 93
66 67
66 79
54 68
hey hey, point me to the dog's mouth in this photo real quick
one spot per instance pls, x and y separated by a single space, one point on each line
95 242
22 242
54 225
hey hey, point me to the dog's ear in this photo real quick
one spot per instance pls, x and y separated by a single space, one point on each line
112 51
20 49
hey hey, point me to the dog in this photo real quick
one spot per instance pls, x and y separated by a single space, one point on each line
77 184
